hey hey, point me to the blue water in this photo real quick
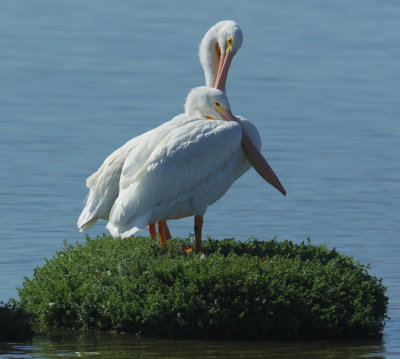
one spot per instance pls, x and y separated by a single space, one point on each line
321 81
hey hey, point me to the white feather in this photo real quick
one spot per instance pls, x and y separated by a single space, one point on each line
190 169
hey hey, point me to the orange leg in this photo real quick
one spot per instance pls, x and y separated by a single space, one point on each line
152 230
167 232
161 231
198 225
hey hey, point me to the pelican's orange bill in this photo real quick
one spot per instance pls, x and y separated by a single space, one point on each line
223 68
256 159
260 164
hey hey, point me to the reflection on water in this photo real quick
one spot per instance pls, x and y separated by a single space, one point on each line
105 345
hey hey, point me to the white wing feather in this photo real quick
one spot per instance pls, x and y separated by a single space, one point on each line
104 183
189 168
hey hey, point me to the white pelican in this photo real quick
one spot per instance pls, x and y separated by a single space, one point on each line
216 50
181 167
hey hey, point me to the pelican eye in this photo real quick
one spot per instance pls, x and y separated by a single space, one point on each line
218 107
228 44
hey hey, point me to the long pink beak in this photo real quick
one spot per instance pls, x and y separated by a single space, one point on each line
223 68
256 159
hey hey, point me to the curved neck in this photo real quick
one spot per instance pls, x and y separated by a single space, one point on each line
209 57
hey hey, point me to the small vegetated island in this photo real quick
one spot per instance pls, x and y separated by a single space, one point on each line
253 290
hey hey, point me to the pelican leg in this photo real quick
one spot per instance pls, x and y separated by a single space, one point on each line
167 232
161 231
152 230
198 226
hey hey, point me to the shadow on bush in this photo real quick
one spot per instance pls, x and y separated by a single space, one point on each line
231 290
14 322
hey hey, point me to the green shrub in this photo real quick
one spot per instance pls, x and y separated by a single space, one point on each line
246 290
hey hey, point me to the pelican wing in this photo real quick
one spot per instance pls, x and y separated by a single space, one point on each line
104 183
104 187
182 161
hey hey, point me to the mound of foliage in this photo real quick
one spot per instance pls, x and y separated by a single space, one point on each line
230 290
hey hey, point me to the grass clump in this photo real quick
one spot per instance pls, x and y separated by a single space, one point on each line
231 290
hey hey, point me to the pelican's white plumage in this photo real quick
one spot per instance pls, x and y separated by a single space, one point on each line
188 171
104 184
175 170
214 44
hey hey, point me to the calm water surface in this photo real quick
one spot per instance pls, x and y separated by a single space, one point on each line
319 79
116 346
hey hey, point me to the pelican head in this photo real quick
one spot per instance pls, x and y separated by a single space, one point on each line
208 102
212 104
216 51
